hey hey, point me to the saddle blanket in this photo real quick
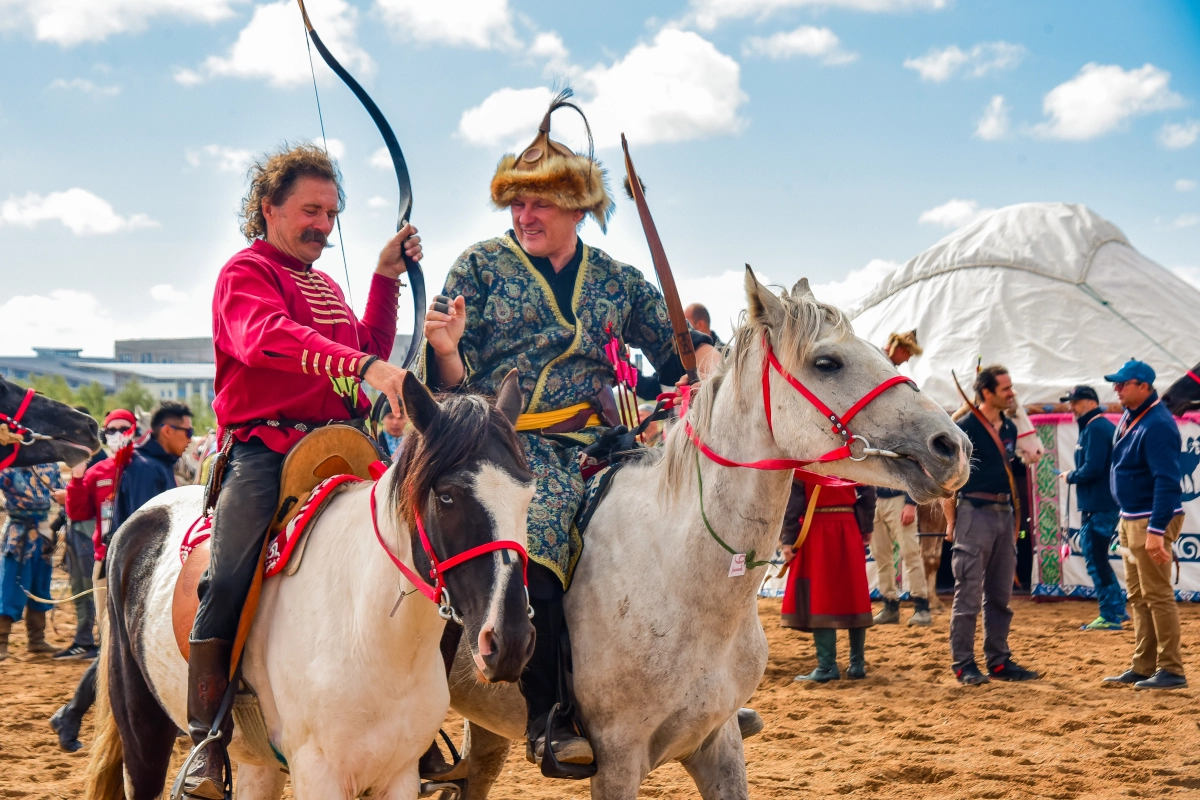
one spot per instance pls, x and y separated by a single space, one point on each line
284 543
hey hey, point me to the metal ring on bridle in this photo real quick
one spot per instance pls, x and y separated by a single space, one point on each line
446 609
528 605
869 451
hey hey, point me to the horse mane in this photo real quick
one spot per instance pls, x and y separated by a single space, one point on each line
805 318
460 431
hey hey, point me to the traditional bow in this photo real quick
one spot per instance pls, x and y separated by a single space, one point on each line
679 325
416 279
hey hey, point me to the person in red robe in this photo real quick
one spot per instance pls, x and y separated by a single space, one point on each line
290 357
827 571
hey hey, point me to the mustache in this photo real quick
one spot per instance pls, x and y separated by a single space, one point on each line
314 235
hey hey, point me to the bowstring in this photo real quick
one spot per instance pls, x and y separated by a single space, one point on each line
325 144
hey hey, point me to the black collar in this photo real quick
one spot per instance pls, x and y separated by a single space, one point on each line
1089 416
543 264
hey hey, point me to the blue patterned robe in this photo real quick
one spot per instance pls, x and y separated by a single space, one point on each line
513 322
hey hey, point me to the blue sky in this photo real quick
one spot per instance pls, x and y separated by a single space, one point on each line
828 140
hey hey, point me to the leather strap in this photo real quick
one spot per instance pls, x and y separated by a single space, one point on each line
1012 482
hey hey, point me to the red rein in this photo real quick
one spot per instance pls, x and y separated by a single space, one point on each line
439 568
838 424
15 427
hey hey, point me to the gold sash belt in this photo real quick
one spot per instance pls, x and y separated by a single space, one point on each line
547 419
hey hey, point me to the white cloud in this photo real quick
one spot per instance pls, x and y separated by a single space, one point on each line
806 40
78 209
856 285
1185 185
994 123
226 159
723 295
1102 97
272 46
677 88
72 22
381 159
484 24
1176 136
336 148
707 14
1186 221
940 65
549 45
165 293
379 202
85 86
70 318
954 213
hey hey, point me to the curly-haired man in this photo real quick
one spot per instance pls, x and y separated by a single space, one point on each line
290 355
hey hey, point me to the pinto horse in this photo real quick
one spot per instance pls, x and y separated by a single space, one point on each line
37 430
1183 395
667 643
346 667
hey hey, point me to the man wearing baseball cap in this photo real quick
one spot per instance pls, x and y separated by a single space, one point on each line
1145 483
1097 508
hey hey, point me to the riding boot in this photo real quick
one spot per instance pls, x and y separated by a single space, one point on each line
920 617
35 631
68 719
858 655
889 614
5 630
208 678
825 643
540 685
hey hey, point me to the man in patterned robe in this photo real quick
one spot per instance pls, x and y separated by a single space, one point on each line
540 301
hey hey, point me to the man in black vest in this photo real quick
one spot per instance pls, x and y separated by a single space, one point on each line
981 527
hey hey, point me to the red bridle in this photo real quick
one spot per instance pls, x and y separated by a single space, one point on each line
16 428
438 592
839 425
1193 376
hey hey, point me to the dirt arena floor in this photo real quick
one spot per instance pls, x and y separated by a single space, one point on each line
908 731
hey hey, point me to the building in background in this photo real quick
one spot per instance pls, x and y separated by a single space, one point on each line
196 350
163 373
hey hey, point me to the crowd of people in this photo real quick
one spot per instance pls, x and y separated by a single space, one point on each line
101 493
1127 481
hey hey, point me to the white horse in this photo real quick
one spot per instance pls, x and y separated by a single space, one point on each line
350 680
666 645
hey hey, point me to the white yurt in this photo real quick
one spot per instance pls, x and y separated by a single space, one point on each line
1052 291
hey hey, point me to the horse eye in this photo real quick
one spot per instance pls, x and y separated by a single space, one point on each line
827 364
445 499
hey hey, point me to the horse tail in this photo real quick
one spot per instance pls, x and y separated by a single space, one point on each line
106 770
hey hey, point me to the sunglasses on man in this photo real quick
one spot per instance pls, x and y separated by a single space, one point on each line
116 429
190 431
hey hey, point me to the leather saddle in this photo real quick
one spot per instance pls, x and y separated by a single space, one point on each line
326 452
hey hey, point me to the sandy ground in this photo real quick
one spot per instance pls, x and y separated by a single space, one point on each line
907 731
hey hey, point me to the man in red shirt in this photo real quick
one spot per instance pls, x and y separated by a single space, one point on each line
290 356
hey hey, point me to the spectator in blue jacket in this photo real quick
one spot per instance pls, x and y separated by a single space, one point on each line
1097 508
149 473
1145 482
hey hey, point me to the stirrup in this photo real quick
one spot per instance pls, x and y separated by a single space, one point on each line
214 735
551 766
457 769
453 789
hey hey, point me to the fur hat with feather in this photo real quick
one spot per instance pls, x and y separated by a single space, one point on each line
551 171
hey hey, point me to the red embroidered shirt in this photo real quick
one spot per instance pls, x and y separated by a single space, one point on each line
287 345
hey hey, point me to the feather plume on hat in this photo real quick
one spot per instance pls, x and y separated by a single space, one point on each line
551 171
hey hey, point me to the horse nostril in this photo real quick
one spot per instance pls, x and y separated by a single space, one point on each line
487 641
945 446
530 643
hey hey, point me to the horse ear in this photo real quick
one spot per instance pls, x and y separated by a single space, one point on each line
802 291
422 409
509 399
764 306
